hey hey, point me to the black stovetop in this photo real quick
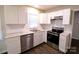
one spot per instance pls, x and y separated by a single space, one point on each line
56 31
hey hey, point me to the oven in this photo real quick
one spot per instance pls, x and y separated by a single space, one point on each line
53 35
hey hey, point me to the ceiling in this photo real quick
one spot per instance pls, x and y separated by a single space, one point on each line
45 7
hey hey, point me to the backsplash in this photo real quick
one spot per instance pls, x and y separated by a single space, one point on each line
57 23
46 26
14 28
54 23
19 28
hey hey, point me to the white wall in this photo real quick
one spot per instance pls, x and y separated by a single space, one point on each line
2 42
0 23
0 30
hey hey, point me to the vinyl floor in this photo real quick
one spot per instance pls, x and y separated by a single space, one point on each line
43 49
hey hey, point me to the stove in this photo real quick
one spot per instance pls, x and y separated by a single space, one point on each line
53 35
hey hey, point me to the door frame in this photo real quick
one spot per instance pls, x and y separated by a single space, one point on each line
73 15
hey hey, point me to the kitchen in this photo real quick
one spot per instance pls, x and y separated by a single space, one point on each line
26 27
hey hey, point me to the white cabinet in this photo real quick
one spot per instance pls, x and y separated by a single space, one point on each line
66 13
44 18
22 15
44 35
13 45
39 38
51 15
66 16
11 14
58 13
65 41
15 15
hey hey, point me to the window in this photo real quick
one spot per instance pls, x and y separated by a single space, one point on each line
33 17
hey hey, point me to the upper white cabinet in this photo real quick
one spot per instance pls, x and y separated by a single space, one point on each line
44 18
66 16
11 14
14 15
52 15
66 13
22 15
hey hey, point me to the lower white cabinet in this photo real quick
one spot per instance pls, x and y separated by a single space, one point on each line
64 42
39 37
19 44
44 34
13 45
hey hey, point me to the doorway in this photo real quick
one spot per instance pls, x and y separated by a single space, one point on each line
75 34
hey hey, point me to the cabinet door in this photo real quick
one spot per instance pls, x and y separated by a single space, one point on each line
11 14
13 45
66 16
50 16
41 18
38 38
58 13
62 44
44 34
22 14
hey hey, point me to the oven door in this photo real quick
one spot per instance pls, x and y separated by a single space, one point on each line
53 38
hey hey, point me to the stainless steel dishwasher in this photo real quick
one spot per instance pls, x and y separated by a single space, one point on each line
26 42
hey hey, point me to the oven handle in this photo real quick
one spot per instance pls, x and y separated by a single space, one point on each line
53 34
